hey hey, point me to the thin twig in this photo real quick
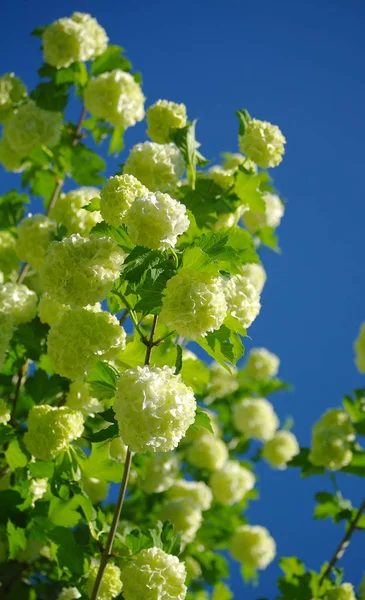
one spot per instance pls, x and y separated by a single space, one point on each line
21 374
341 548
122 492
56 193
79 127
124 316
23 273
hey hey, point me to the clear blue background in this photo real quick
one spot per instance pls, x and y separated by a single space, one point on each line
300 65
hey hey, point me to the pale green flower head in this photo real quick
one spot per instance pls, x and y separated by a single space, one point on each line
185 515
81 270
72 39
79 398
50 310
81 338
37 489
280 449
12 90
118 195
222 177
231 483
194 303
274 211
30 127
152 575
196 491
163 118
5 413
19 302
255 418
111 584
156 220
221 383
9 262
207 452
51 430
359 347
158 166
243 300
9 159
154 408
256 275
35 233
116 97
343 592
263 143
233 161
253 546
70 593
69 210
262 364
331 440
161 471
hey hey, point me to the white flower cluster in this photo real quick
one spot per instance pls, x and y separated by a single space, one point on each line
194 303
154 408
50 310
231 483
207 452
221 383
243 300
280 449
19 302
117 197
10 160
5 413
262 364
80 398
71 593
196 491
12 90
31 126
116 97
156 220
253 546
111 584
271 217
158 166
161 471
255 418
72 39
81 270
263 143
163 118
69 210
256 275
332 438
35 233
185 515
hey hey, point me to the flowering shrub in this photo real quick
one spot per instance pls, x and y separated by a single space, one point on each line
84 404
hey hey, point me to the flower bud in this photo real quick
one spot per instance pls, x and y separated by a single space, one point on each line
331 440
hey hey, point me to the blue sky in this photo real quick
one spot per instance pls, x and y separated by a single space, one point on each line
300 65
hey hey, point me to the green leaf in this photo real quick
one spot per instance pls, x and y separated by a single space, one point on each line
330 506
195 374
268 237
119 235
221 592
249 574
133 355
104 434
247 188
223 345
32 337
64 513
100 465
165 537
302 461
244 119
12 208
184 139
203 419
179 362
43 388
291 566
15 456
86 166
117 141
136 541
40 469
214 566
39 31
16 539
235 325
111 59
50 96
103 380
42 184
69 552
93 206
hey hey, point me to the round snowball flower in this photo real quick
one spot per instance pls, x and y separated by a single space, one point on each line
343 592
185 515
233 161
6 333
161 471
9 159
359 347
18 302
37 489
253 546
9 261
50 310
256 275
231 483
263 143
12 90
262 364
154 408
154 575
280 449
196 491
163 118
80 398
81 270
71 39
222 177
255 418
194 303
117 196
157 166
51 429
71 593
156 220
271 217
35 233
116 97
81 338
331 440
31 126
222 382
207 452
111 584
243 300
5 414
69 210
228 220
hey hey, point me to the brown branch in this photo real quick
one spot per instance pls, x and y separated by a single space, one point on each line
21 374
124 316
341 548
79 127
23 273
123 488
56 193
